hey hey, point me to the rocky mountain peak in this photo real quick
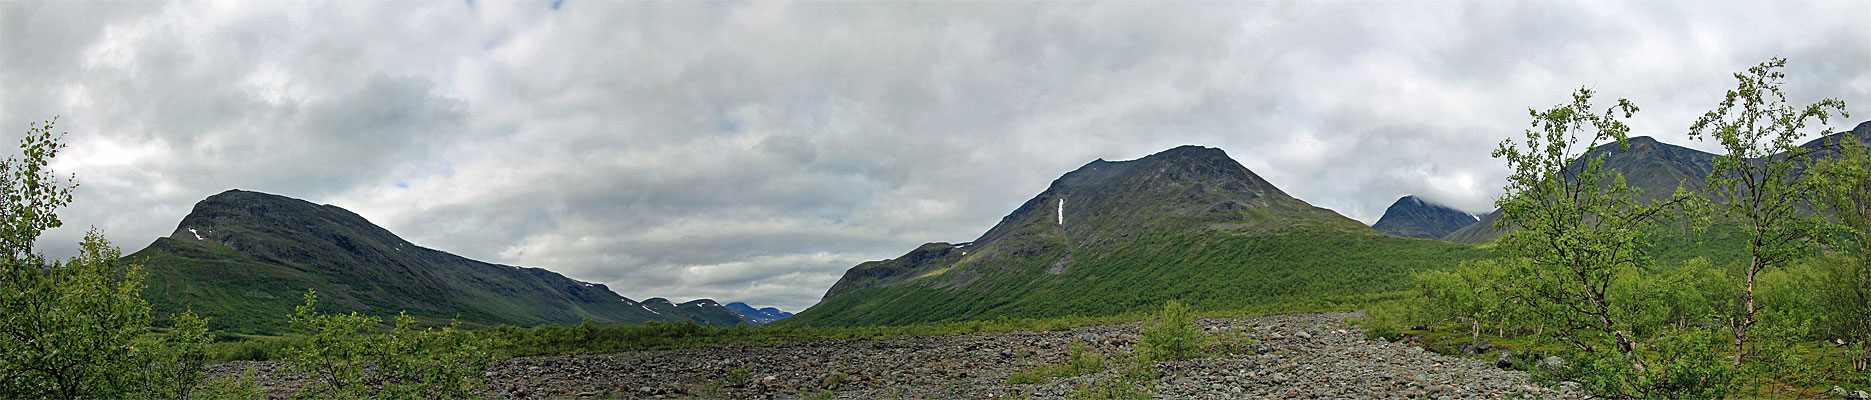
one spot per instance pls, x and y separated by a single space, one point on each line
260 223
1411 216
1642 144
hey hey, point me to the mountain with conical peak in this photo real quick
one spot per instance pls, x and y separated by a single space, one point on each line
1105 202
757 317
1187 223
1413 217
245 259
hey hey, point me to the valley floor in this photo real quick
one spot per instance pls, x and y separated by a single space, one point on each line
1295 356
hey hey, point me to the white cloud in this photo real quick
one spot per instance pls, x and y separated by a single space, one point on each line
752 151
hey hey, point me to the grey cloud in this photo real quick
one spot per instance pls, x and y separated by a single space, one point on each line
753 151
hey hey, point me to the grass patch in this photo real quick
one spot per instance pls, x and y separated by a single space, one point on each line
1081 362
1136 379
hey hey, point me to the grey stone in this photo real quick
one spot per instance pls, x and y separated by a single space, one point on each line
1552 364
1478 347
1505 359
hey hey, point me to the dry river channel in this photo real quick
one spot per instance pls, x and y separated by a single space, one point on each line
1295 356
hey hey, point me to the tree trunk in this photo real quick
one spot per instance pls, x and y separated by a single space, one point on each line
1862 360
1747 317
1474 335
1629 347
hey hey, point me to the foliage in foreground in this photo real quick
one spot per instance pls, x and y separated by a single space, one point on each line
354 358
1581 277
79 328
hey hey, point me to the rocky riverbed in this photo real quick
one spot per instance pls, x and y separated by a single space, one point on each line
1301 356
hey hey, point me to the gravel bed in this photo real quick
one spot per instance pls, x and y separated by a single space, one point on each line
1296 356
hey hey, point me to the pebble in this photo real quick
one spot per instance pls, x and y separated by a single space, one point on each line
1336 362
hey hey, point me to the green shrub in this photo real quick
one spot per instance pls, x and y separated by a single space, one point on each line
1171 334
1135 380
1385 319
1681 364
173 365
354 358
739 377
80 328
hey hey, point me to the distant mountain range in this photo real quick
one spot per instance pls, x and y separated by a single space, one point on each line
245 259
1110 237
757 317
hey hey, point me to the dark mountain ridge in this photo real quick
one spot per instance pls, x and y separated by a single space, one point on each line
246 258
1413 217
1658 169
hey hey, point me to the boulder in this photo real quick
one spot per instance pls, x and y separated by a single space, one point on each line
1505 359
1478 347
1552 365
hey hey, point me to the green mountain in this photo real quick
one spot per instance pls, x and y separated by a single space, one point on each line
245 259
1188 223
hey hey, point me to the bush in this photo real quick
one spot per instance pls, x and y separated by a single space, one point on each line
1171 334
78 328
173 368
340 350
1386 319
1680 364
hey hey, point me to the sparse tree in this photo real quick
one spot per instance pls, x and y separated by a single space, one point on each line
1758 182
77 329
66 329
1469 294
1579 226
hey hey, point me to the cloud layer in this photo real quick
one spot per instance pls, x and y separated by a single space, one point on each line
753 151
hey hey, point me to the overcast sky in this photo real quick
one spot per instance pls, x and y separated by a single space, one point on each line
752 151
